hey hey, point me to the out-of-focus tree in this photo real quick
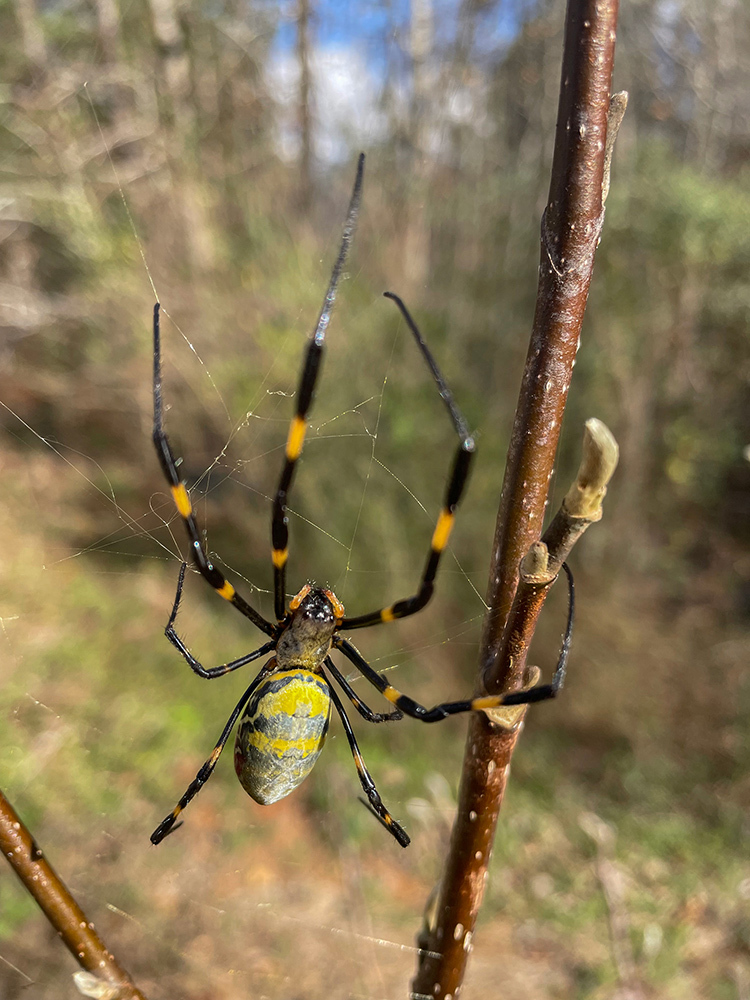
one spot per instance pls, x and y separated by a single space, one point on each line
416 243
461 165
108 29
32 35
168 114
305 110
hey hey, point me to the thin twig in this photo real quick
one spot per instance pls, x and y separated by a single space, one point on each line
571 227
103 978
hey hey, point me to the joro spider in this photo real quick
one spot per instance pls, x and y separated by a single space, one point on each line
287 706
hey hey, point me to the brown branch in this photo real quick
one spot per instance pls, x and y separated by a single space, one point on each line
581 507
571 226
103 978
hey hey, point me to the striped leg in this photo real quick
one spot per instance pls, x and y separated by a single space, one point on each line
310 370
373 797
456 484
208 672
185 509
412 708
167 825
364 710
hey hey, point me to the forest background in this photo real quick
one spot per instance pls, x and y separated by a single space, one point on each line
209 149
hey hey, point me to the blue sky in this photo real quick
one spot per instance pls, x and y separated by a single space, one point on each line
377 27
356 46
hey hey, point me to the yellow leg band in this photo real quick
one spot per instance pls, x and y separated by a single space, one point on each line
387 615
442 531
227 591
182 500
296 439
391 694
279 557
490 701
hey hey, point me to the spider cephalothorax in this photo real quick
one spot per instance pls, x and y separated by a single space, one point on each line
286 709
314 615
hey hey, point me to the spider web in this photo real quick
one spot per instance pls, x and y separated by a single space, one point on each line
331 910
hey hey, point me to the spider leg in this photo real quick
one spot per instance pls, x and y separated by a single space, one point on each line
208 672
368 785
184 507
167 824
454 491
544 691
412 708
364 710
298 426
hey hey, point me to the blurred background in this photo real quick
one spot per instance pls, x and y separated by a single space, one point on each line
205 153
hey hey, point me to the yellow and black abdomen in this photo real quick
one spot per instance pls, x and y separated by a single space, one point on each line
282 733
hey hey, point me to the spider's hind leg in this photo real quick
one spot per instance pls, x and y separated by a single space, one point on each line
364 710
373 796
167 825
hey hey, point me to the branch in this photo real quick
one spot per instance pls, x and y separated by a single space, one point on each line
570 231
103 977
581 507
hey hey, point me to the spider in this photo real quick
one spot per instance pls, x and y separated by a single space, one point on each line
286 709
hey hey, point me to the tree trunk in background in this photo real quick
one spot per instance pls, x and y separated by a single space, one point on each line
462 235
32 36
173 60
228 68
417 231
304 110
174 73
107 29
719 81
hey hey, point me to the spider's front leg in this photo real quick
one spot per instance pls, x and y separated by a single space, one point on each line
305 392
454 491
205 567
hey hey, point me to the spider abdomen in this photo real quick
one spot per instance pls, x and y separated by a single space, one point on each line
282 733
